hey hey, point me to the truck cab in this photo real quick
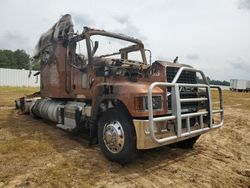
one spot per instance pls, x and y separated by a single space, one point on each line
127 102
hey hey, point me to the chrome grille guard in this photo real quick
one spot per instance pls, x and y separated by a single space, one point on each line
176 107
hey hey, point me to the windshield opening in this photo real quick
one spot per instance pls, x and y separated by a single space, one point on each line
109 47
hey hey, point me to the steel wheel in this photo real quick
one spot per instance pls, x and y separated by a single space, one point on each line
116 135
113 136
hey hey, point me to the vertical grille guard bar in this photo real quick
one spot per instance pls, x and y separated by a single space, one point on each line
178 109
221 110
177 76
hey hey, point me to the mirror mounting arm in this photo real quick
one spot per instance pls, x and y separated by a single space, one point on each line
94 48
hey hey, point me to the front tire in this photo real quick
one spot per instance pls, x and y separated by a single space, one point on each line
116 135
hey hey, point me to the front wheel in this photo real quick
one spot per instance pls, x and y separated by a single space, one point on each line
116 135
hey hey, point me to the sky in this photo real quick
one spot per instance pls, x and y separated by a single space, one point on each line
211 35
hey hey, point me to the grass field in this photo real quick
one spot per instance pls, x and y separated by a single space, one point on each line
9 94
34 153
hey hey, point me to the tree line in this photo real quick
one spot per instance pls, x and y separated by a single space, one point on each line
17 59
219 82
214 82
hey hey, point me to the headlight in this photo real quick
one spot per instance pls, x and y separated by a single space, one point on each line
141 103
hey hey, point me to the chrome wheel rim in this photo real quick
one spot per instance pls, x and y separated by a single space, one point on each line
113 136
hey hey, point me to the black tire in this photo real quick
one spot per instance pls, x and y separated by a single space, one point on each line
187 144
128 152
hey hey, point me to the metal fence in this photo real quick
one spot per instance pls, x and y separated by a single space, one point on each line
19 78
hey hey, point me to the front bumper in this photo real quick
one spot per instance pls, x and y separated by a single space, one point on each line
144 140
151 133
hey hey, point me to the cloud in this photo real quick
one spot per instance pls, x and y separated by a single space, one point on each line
193 56
128 27
15 40
122 19
239 68
82 19
244 4
164 58
240 64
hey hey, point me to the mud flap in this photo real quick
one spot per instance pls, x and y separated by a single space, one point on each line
93 133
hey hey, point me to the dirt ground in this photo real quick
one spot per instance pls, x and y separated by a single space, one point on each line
34 153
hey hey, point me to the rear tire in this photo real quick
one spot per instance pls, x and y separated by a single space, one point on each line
116 135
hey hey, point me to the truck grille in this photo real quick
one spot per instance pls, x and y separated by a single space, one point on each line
187 77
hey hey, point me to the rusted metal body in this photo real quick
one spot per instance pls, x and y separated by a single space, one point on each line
82 89
61 78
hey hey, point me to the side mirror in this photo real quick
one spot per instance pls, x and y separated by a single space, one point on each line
150 55
95 48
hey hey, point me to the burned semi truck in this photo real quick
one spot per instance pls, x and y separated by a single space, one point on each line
127 102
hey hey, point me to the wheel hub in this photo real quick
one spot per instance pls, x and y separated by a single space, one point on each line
113 136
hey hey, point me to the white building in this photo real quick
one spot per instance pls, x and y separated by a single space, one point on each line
19 78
